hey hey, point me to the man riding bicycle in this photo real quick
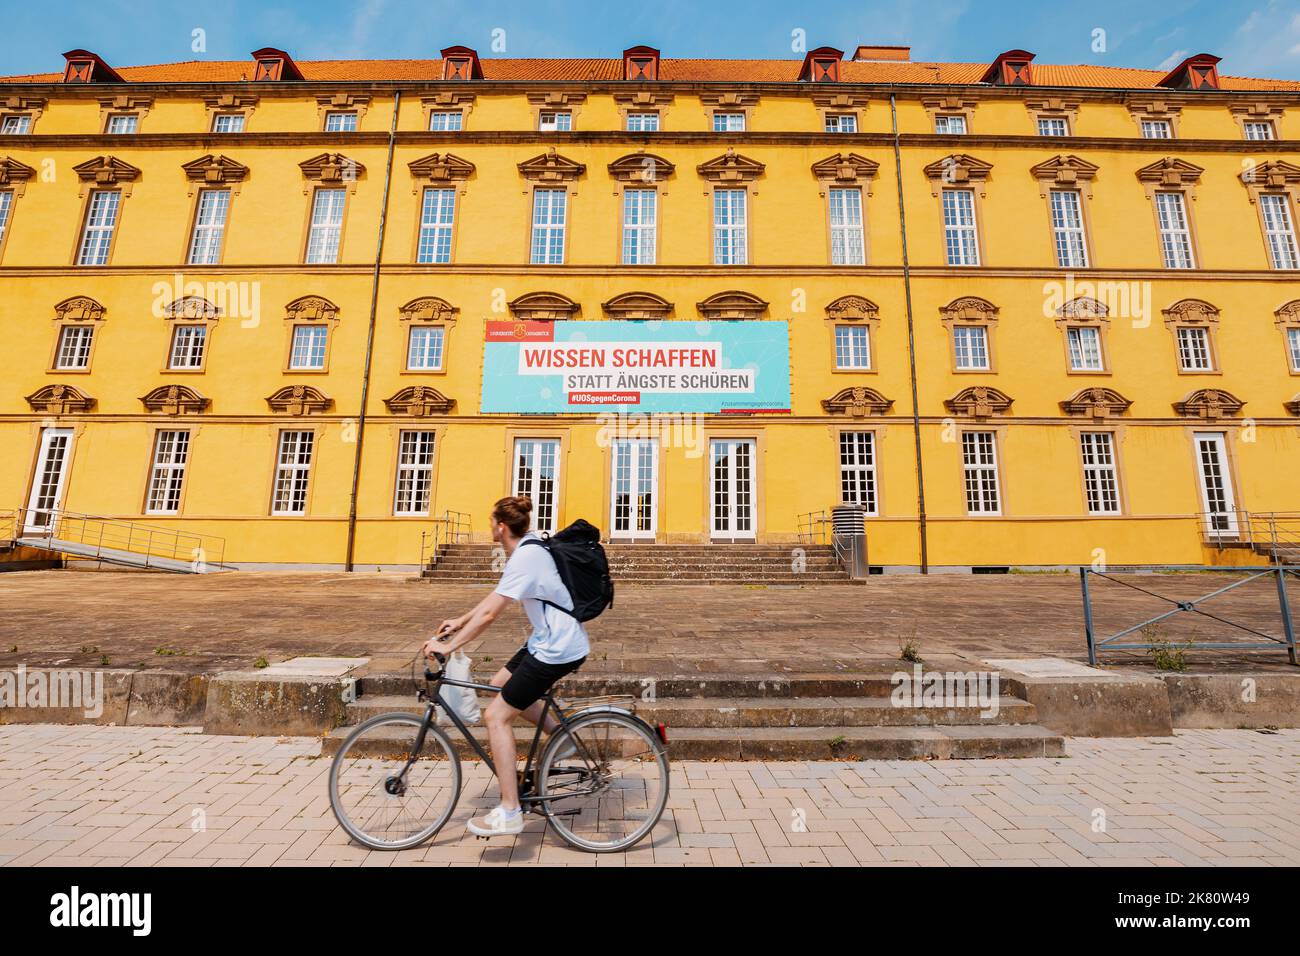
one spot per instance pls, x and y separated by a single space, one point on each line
557 646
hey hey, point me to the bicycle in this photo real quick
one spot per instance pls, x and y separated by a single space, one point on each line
392 775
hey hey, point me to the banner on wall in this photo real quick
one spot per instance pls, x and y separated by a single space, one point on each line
656 366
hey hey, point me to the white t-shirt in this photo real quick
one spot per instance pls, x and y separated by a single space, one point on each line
530 577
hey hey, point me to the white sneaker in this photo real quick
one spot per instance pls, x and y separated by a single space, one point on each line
498 822
566 749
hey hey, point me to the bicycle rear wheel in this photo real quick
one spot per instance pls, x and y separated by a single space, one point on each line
608 794
381 802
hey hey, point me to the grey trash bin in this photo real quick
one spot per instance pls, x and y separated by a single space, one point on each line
849 535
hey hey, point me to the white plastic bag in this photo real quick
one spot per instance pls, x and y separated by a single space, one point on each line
462 700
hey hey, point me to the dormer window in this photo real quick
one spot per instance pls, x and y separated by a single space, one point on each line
641 63
86 67
821 65
273 64
1013 68
461 63
1199 72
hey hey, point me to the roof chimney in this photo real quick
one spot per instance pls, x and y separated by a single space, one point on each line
869 53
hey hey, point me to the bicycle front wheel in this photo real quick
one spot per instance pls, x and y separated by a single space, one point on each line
384 794
611 790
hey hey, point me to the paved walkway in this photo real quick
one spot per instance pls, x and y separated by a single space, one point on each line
227 621
141 796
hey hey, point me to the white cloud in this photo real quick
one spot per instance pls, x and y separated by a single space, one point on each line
1173 59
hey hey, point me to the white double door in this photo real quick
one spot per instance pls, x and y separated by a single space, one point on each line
634 489
537 475
50 479
1216 483
732 489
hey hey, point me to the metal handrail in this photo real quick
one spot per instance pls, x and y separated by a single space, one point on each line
107 539
452 527
1274 533
815 527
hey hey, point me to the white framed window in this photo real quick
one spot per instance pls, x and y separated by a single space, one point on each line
1157 129
643 122
1100 477
424 348
1084 345
960 238
554 121
437 217
1053 126
1293 347
122 123
979 458
1259 129
549 220
188 345
292 472
171 454
1194 353
841 123
858 470
16 124
728 122
209 227
228 123
101 220
1279 231
446 121
848 240
6 207
1067 229
640 222
73 349
341 121
950 124
307 349
1175 234
414 473
730 232
852 347
970 347
326 225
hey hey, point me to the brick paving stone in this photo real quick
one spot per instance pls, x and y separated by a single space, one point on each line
144 796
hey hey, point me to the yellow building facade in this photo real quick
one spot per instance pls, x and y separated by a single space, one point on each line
1024 315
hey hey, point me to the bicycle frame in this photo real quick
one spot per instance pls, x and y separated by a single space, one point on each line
439 679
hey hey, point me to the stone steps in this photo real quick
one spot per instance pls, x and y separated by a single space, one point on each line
752 717
787 743
770 712
659 564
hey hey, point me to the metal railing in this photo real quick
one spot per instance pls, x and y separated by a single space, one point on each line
112 541
452 527
1272 533
817 527
1192 607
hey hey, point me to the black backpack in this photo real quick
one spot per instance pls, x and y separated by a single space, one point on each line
583 567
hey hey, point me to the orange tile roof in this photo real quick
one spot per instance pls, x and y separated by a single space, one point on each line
576 69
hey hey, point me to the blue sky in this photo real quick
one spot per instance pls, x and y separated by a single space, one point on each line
1255 37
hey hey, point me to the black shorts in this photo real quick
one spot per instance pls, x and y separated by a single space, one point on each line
531 678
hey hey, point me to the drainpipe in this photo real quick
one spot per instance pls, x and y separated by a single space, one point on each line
370 337
911 343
